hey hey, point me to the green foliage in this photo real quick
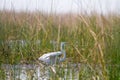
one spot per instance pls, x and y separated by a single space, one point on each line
93 40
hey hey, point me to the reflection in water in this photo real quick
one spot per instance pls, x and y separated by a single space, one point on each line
37 72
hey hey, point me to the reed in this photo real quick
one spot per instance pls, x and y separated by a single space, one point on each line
93 40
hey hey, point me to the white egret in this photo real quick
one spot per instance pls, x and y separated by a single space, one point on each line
54 57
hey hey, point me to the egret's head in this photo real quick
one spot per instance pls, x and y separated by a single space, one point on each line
63 45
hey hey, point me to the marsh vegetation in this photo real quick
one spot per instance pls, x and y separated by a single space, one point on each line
93 41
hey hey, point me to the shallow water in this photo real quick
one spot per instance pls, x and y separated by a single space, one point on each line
41 72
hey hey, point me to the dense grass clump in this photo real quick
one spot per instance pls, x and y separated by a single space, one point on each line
93 40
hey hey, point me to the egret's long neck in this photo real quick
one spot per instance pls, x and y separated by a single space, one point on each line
63 51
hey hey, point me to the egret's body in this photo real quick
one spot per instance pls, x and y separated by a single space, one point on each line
54 57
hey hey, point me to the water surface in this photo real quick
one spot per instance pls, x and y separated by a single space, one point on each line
40 72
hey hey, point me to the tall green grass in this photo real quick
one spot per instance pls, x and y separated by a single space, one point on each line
93 40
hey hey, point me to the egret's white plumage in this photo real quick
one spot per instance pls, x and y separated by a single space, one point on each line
54 57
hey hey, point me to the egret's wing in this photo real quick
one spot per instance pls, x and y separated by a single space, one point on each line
51 54
43 57
55 53
46 57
